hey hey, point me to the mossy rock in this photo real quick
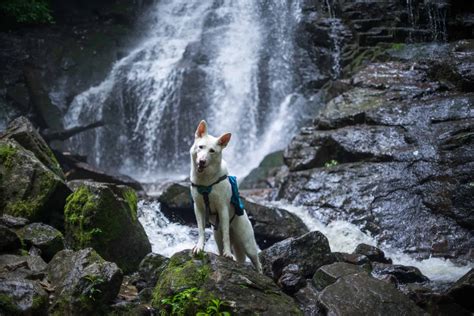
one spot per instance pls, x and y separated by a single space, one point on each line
46 238
84 282
258 177
26 135
28 188
104 216
191 283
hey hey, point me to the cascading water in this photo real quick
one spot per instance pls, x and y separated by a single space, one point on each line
223 61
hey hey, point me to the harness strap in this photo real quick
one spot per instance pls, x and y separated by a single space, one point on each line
205 191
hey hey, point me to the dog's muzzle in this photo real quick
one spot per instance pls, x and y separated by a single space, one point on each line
201 166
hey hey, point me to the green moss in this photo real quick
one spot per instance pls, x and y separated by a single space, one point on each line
397 46
131 197
7 305
7 155
39 302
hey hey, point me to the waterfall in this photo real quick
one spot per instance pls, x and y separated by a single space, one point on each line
229 62
437 12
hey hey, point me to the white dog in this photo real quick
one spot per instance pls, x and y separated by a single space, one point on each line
212 193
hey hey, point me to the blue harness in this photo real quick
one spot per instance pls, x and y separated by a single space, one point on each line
235 200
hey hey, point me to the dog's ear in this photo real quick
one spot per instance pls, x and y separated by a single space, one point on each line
224 139
201 131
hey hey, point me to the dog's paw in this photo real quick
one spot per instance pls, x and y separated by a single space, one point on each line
198 249
228 255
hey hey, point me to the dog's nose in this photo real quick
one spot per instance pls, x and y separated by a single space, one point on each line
201 163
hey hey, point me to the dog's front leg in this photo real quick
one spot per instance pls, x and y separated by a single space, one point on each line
224 225
201 223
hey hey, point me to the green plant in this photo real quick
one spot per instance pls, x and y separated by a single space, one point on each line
331 163
27 11
92 290
214 309
180 302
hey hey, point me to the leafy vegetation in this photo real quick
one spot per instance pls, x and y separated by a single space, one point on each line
331 163
26 12
180 303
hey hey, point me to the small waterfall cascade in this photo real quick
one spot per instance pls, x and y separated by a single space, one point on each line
229 62
336 31
437 14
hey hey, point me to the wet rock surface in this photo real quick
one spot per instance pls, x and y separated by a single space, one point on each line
8 240
308 252
328 274
395 148
83 281
149 270
361 294
46 238
242 290
402 274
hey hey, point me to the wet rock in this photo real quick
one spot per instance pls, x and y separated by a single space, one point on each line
9 240
22 267
309 252
104 216
241 289
291 279
360 294
84 282
12 221
22 297
307 299
402 274
272 224
328 274
46 238
462 291
352 258
28 188
263 175
176 202
373 253
149 270
23 131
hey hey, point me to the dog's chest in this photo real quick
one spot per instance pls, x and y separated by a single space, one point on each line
219 197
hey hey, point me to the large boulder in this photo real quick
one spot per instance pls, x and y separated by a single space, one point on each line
84 282
360 294
272 224
373 253
462 291
28 188
149 270
264 176
23 131
104 216
47 239
176 202
402 274
189 285
22 267
308 252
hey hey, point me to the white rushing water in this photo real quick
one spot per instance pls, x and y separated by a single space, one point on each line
167 238
229 62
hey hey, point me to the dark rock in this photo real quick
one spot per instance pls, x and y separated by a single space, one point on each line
46 238
242 290
462 291
263 175
352 258
84 282
23 131
402 274
22 297
149 270
373 253
9 240
12 221
291 279
104 216
28 188
176 202
396 135
328 274
307 299
362 295
309 252
22 267
272 224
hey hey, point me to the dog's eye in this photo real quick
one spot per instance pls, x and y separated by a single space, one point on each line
201 146
212 150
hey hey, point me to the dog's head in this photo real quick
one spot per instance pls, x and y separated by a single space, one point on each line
207 150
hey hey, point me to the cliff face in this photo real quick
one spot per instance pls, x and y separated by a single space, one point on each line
44 67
